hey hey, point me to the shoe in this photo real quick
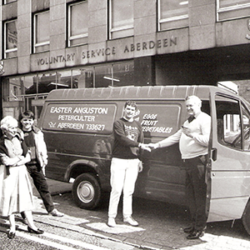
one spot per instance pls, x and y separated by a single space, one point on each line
131 221
55 212
188 230
196 234
11 235
111 222
38 231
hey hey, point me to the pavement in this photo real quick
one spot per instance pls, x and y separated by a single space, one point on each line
160 236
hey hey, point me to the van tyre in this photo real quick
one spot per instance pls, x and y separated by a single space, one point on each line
86 191
246 218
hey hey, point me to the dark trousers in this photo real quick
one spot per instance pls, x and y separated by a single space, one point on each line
196 190
41 185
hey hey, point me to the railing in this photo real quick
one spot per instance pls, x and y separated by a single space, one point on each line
13 97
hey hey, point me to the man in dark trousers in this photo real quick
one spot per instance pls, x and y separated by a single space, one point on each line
193 140
33 138
125 163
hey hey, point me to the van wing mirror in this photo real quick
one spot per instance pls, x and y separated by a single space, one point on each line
214 154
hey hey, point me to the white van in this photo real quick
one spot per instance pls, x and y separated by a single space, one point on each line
77 125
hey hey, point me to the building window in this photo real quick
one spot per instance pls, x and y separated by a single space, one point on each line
28 92
41 40
114 75
231 9
78 23
10 39
8 1
172 14
83 78
121 18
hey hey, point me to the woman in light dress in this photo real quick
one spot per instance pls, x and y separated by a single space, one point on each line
15 188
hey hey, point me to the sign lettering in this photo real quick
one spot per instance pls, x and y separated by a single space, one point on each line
80 117
56 59
109 51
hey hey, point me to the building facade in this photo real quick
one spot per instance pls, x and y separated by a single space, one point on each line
49 44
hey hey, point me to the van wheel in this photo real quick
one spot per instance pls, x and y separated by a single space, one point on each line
246 218
86 191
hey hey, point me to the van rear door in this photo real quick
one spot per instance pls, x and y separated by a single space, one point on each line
229 179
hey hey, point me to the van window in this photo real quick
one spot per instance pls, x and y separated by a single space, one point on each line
159 120
233 123
72 117
242 138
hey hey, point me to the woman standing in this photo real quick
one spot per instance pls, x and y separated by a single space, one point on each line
15 188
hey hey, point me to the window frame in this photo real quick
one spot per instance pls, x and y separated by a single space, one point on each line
72 38
5 50
5 2
112 30
228 9
170 19
36 45
227 127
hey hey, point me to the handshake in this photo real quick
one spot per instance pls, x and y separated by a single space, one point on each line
149 147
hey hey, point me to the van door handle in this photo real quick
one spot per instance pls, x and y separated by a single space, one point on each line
214 154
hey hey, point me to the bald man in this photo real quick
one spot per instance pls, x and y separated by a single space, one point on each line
193 138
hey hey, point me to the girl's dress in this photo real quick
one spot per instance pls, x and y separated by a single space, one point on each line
15 188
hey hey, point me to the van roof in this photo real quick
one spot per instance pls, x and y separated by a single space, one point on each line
131 92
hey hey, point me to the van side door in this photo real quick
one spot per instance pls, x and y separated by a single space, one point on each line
162 177
229 179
